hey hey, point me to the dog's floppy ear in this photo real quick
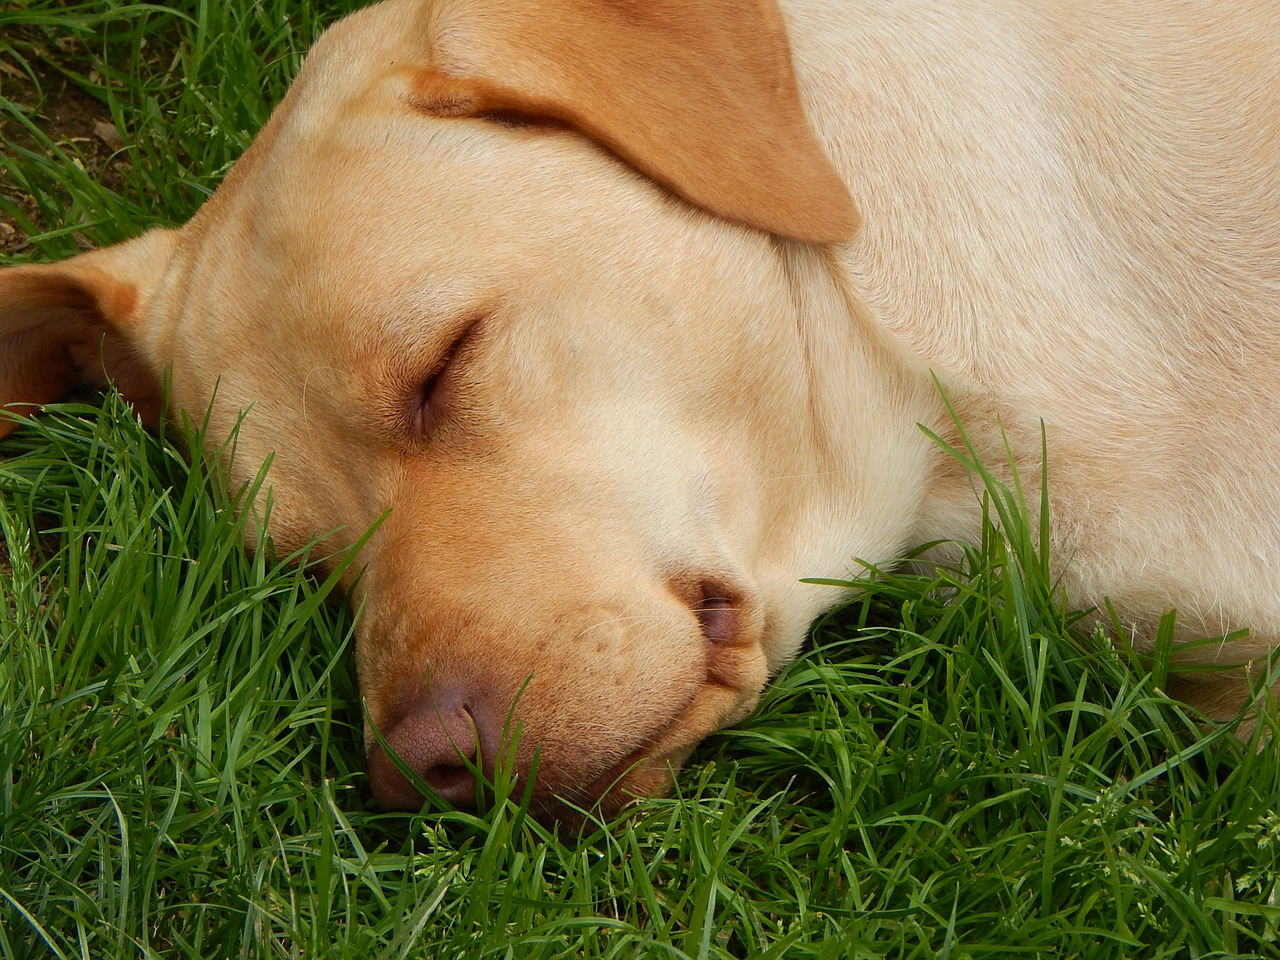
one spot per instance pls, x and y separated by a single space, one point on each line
700 95
76 322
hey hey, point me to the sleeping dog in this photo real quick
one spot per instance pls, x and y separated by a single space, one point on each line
629 311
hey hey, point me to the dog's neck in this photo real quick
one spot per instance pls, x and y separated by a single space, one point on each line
863 475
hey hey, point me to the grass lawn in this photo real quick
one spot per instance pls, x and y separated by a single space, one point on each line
953 769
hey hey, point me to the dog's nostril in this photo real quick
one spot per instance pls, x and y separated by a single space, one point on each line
437 742
718 618
449 782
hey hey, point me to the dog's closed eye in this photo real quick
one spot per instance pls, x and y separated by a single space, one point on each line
513 119
435 393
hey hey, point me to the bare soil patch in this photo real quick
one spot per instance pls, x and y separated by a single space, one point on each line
70 117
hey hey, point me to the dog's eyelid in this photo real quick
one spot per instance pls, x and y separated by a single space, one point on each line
428 400
461 105
433 394
509 118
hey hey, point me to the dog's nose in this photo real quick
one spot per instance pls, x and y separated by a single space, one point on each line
437 739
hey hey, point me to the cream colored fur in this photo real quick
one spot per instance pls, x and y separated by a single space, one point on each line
687 383
1092 239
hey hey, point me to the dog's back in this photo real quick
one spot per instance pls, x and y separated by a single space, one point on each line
1072 214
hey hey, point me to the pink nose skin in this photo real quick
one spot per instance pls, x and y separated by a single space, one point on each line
437 739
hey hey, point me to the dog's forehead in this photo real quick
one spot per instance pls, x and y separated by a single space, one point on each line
370 177
404 220
377 231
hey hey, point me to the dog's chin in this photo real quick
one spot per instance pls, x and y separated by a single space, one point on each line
612 794
649 771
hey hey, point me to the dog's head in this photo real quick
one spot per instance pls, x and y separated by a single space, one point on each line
518 273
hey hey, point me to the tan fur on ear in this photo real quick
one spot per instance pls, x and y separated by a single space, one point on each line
73 322
700 95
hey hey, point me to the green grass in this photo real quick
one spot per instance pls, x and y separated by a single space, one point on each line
954 769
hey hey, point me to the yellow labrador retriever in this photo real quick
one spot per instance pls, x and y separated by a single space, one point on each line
629 310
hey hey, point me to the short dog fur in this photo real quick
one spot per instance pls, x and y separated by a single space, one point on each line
629 311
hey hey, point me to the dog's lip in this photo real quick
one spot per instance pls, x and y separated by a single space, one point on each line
717 698
661 754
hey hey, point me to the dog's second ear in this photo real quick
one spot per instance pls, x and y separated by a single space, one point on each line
77 322
700 95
